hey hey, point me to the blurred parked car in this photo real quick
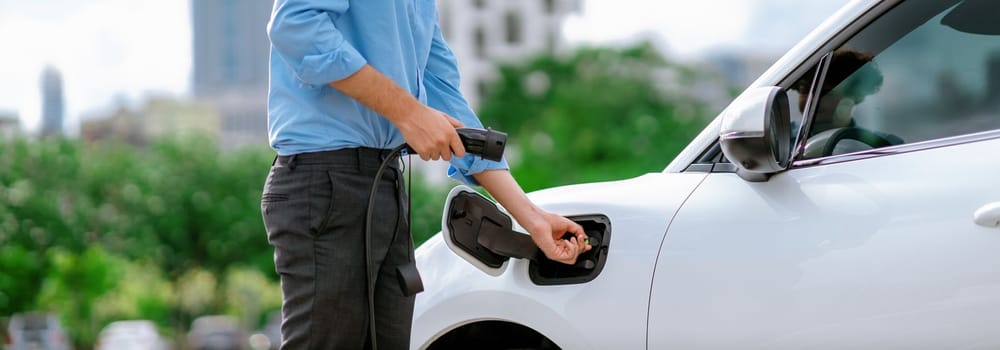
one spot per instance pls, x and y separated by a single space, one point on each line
273 329
848 199
129 335
217 333
35 331
268 338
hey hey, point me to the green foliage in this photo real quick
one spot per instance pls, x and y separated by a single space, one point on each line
180 202
73 284
73 215
201 208
142 292
38 193
21 275
426 205
251 296
598 114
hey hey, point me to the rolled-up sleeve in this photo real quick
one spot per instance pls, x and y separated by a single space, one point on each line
441 80
303 34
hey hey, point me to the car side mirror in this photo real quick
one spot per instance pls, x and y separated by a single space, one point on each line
755 133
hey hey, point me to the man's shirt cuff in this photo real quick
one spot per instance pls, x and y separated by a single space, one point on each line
462 169
324 68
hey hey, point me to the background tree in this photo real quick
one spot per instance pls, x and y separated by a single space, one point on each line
73 285
597 114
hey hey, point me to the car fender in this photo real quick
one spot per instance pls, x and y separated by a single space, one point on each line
640 209
462 295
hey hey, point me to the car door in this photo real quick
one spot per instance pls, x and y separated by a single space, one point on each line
882 234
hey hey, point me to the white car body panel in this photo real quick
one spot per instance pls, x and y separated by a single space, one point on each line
458 293
838 256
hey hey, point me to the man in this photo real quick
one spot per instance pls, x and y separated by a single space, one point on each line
350 80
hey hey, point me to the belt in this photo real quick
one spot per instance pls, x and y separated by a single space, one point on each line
362 158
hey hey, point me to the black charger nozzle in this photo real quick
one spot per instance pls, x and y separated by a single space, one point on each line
486 143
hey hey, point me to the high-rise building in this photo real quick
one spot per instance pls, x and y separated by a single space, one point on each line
230 65
53 108
230 45
483 33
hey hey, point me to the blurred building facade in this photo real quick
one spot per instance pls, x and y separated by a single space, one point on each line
10 125
122 125
53 105
230 65
483 33
157 118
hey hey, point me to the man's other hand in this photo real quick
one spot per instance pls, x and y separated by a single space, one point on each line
432 134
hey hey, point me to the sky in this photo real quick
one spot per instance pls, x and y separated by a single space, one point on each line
118 51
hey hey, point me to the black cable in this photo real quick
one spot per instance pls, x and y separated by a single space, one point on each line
488 144
409 204
368 244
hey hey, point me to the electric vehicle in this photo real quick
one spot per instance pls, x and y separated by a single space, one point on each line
847 199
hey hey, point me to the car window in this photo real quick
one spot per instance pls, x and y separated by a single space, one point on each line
926 70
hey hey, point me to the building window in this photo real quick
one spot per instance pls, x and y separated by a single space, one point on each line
480 39
513 23
480 4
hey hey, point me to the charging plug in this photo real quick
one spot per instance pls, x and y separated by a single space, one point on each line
486 143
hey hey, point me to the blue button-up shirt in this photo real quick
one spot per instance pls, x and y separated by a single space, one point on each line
315 42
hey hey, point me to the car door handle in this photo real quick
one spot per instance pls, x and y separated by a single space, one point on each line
988 215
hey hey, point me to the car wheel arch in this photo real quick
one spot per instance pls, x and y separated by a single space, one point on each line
501 334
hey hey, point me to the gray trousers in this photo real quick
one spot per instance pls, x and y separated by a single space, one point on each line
314 208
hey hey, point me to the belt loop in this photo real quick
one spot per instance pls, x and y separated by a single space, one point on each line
291 162
359 159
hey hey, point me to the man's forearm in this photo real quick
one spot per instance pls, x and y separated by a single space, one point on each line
378 92
546 229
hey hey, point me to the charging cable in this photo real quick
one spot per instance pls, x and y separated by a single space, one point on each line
486 143
369 260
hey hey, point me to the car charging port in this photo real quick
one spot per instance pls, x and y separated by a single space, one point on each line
588 265
478 227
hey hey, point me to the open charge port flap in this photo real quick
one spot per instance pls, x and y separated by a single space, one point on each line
469 214
477 227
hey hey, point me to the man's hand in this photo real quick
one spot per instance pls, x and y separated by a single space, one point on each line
431 134
548 233
546 229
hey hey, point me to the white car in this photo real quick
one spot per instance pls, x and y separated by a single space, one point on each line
867 222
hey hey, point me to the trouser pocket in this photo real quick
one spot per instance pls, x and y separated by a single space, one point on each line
293 205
